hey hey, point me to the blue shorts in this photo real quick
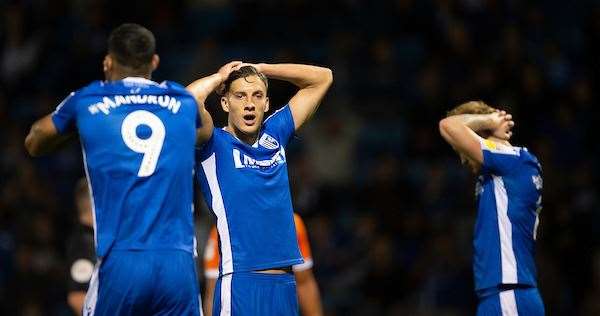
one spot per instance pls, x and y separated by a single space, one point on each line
520 301
256 294
144 283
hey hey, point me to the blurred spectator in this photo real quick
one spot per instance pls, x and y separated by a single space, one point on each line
81 255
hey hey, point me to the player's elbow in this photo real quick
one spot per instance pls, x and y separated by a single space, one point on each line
446 130
327 76
444 127
34 141
31 145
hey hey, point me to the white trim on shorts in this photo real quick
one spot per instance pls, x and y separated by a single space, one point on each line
91 297
508 303
226 295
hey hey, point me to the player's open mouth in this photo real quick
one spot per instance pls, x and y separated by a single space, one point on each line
249 119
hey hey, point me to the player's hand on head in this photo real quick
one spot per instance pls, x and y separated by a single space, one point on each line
256 66
503 123
497 118
226 69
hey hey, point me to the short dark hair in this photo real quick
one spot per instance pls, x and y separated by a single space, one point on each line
243 72
132 45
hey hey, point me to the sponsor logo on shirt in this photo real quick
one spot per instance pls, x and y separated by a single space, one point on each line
244 161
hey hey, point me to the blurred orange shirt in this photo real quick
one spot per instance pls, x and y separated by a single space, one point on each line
212 258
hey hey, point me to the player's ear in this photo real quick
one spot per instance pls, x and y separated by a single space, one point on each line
107 63
225 104
267 105
155 61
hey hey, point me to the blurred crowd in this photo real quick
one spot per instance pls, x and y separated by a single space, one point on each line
388 207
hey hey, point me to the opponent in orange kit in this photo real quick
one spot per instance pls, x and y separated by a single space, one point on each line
308 291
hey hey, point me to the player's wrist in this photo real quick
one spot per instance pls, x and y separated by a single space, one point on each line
488 122
261 68
219 78
477 122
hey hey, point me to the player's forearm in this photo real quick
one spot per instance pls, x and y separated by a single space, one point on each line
313 82
309 299
456 128
205 131
209 293
33 141
303 76
463 138
207 305
476 122
203 87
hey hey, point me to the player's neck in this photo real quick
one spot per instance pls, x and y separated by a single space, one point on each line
120 74
123 76
499 141
245 138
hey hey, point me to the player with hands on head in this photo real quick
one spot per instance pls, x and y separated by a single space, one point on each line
242 171
509 201
465 132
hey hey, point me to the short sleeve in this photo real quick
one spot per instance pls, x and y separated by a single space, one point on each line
498 159
204 150
211 255
65 114
281 125
303 244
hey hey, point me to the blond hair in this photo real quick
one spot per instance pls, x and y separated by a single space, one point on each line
472 107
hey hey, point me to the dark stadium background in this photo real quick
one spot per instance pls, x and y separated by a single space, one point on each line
388 208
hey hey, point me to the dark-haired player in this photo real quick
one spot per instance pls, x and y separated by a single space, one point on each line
243 174
509 201
138 138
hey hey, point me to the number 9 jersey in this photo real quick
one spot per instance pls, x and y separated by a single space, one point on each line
138 141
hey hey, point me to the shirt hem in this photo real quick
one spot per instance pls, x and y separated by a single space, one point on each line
500 287
264 266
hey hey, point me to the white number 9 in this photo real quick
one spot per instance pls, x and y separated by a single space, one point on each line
151 146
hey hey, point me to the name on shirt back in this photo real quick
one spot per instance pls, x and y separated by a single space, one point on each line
109 103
